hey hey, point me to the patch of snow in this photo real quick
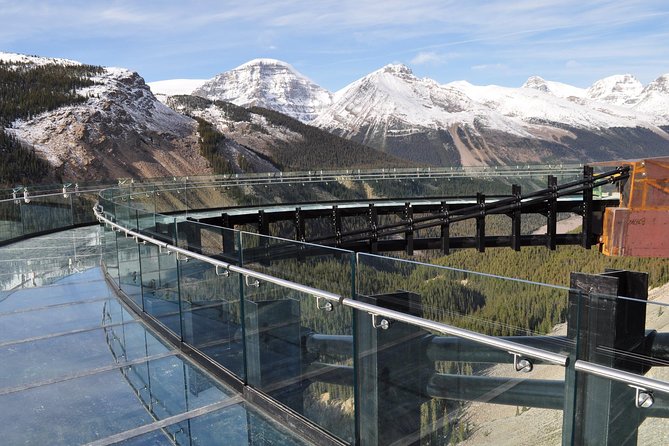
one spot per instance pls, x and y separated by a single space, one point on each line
35 60
173 87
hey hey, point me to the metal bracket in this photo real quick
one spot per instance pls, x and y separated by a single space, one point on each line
224 273
182 258
327 306
163 250
255 283
521 364
643 398
383 324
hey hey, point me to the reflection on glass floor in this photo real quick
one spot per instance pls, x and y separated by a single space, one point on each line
76 368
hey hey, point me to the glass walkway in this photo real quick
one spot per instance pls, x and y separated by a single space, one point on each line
247 334
77 368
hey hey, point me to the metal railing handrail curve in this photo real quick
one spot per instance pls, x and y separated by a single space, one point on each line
518 351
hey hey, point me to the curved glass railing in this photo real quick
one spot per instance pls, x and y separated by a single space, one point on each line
30 210
377 350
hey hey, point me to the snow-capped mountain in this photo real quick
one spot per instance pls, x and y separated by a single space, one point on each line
461 123
270 84
554 88
120 129
654 100
619 90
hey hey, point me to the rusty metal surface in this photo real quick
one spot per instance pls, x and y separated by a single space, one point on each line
640 225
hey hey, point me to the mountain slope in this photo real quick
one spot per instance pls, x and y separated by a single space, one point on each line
286 142
271 84
115 128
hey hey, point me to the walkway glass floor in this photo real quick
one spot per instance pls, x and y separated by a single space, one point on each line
77 368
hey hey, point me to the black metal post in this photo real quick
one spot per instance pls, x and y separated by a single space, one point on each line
516 216
445 228
607 331
299 225
393 371
336 224
551 220
587 228
408 235
480 223
373 222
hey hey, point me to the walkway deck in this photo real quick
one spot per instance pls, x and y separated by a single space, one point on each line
77 368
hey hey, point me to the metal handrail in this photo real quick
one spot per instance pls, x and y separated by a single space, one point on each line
631 379
517 350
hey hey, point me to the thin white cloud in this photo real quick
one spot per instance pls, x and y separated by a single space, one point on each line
428 57
490 67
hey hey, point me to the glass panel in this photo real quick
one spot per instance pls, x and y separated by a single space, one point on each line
239 425
432 389
301 355
447 389
32 362
48 321
11 225
80 288
45 213
324 268
89 408
211 313
130 274
111 254
45 260
160 286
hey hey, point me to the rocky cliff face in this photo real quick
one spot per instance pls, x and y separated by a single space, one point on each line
120 130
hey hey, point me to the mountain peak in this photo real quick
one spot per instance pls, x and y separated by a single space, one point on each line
536 83
397 69
661 84
271 84
617 89
265 62
557 89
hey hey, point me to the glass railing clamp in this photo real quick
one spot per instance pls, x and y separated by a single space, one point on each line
327 306
222 271
643 398
251 282
521 364
383 323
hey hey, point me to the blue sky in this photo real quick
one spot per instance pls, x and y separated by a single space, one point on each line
337 42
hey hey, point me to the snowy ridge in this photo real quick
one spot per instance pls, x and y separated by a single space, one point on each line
425 121
270 84
394 94
35 60
554 88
